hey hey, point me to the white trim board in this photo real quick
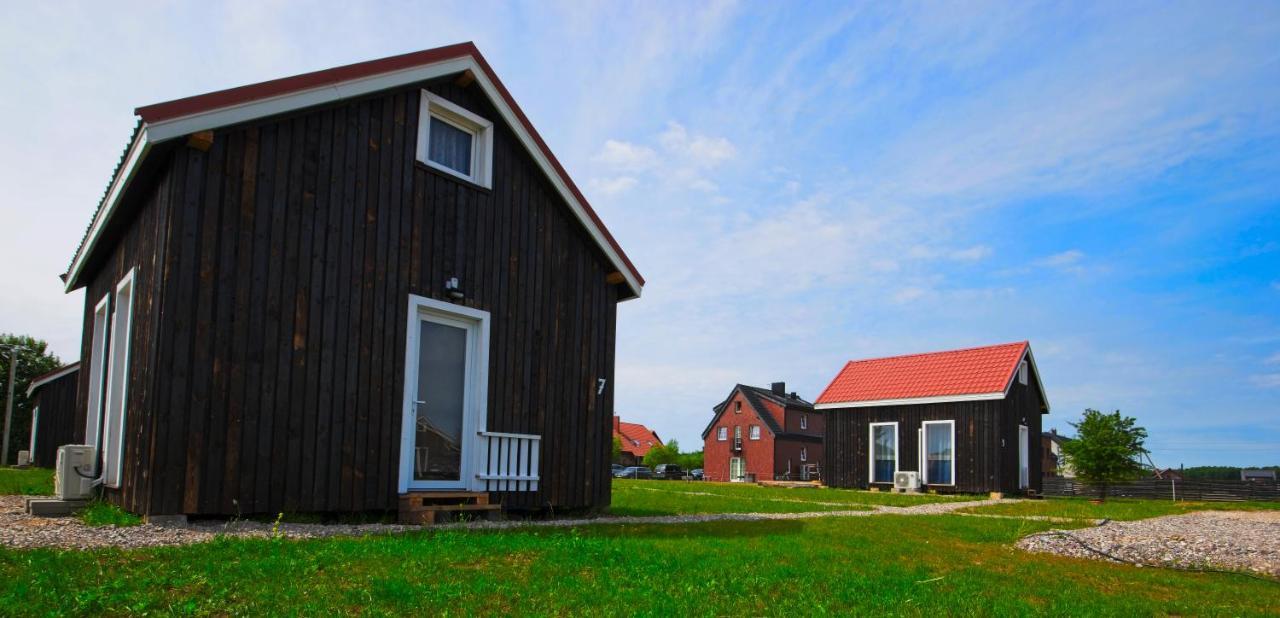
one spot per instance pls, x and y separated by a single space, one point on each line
177 127
909 401
51 377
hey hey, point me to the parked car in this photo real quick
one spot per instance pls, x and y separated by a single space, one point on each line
670 472
696 474
635 472
617 469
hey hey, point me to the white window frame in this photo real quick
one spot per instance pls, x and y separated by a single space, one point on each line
737 407
97 372
35 422
924 451
722 434
1024 457
754 432
1022 372
480 129
475 402
804 421
118 349
871 451
804 455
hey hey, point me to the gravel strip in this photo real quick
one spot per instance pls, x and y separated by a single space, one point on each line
17 529
1230 540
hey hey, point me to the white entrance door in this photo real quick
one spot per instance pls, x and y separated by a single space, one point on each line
444 395
1024 457
736 472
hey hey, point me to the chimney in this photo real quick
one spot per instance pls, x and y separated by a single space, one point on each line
616 425
779 389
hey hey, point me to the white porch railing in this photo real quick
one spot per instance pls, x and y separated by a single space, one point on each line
511 461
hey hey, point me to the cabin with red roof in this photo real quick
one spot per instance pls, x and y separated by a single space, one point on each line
763 434
366 288
964 421
636 440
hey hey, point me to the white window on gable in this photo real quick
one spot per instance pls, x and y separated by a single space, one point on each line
755 432
455 141
737 407
1022 372
722 434
804 421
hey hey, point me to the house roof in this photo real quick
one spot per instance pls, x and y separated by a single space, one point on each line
46 378
756 397
953 375
170 120
636 438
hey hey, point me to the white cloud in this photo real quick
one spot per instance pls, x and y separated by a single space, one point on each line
696 149
1266 380
612 186
1067 258
1274 359
627 156
972 254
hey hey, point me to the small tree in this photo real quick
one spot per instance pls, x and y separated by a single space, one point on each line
662 454
1105 450
691 461
617 450
34 359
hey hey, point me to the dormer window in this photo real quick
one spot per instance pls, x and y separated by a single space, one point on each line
455 141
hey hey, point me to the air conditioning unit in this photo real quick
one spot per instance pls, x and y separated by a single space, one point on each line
906 481
73 474
24 459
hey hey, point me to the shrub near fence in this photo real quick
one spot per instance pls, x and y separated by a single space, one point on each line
1169 489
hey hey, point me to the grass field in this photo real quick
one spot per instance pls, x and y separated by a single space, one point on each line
1113 508
30 482
648 498
880 564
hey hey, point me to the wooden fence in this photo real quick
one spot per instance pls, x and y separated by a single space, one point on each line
1169 489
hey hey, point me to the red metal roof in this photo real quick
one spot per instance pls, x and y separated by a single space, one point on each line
971 371
231 97
636 438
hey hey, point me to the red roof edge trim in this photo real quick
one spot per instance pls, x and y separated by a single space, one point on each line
187 106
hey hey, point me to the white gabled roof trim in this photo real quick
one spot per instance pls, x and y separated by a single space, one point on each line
153 133
69 369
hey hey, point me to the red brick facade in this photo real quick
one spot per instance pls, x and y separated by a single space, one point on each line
781 442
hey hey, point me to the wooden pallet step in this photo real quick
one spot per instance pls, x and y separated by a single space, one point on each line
418 500
439 512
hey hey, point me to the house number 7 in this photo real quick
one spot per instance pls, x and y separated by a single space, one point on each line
600 385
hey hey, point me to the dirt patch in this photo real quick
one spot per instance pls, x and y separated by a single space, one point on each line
1230 540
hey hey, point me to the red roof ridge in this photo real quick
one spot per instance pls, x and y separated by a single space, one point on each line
936 352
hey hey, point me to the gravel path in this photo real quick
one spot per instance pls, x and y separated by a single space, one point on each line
1231 540
17 529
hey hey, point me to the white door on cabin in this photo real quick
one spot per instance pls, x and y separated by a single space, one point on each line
1024 457
440 410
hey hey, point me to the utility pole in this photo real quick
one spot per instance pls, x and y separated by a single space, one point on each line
8 409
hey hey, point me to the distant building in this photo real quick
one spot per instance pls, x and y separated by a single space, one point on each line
1051 455
1258 475
636 441
763 434
1167 474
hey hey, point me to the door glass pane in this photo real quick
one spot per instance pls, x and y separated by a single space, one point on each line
442 372
450 146
885 455
937 438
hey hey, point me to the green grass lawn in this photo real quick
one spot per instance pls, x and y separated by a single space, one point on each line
1113 508
677 498
28 482
924 565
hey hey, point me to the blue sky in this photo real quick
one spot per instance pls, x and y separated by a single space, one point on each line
801 185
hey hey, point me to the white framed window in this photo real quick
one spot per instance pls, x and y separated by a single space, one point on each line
97 373
117 400
939 452
883 454
1022 372
804 453
35 422
755 432
804 421
737 407
722 434
455 141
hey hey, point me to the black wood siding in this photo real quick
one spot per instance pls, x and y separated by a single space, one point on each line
56 427
294 243
985 441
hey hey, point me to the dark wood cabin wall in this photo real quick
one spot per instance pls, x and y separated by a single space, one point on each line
977 433
1022 406
57 403
141 244
297 243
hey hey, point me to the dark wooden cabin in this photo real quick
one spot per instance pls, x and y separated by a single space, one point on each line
53 413
327 292
978 412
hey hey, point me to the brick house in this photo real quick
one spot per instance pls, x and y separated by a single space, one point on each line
636 441
763 434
